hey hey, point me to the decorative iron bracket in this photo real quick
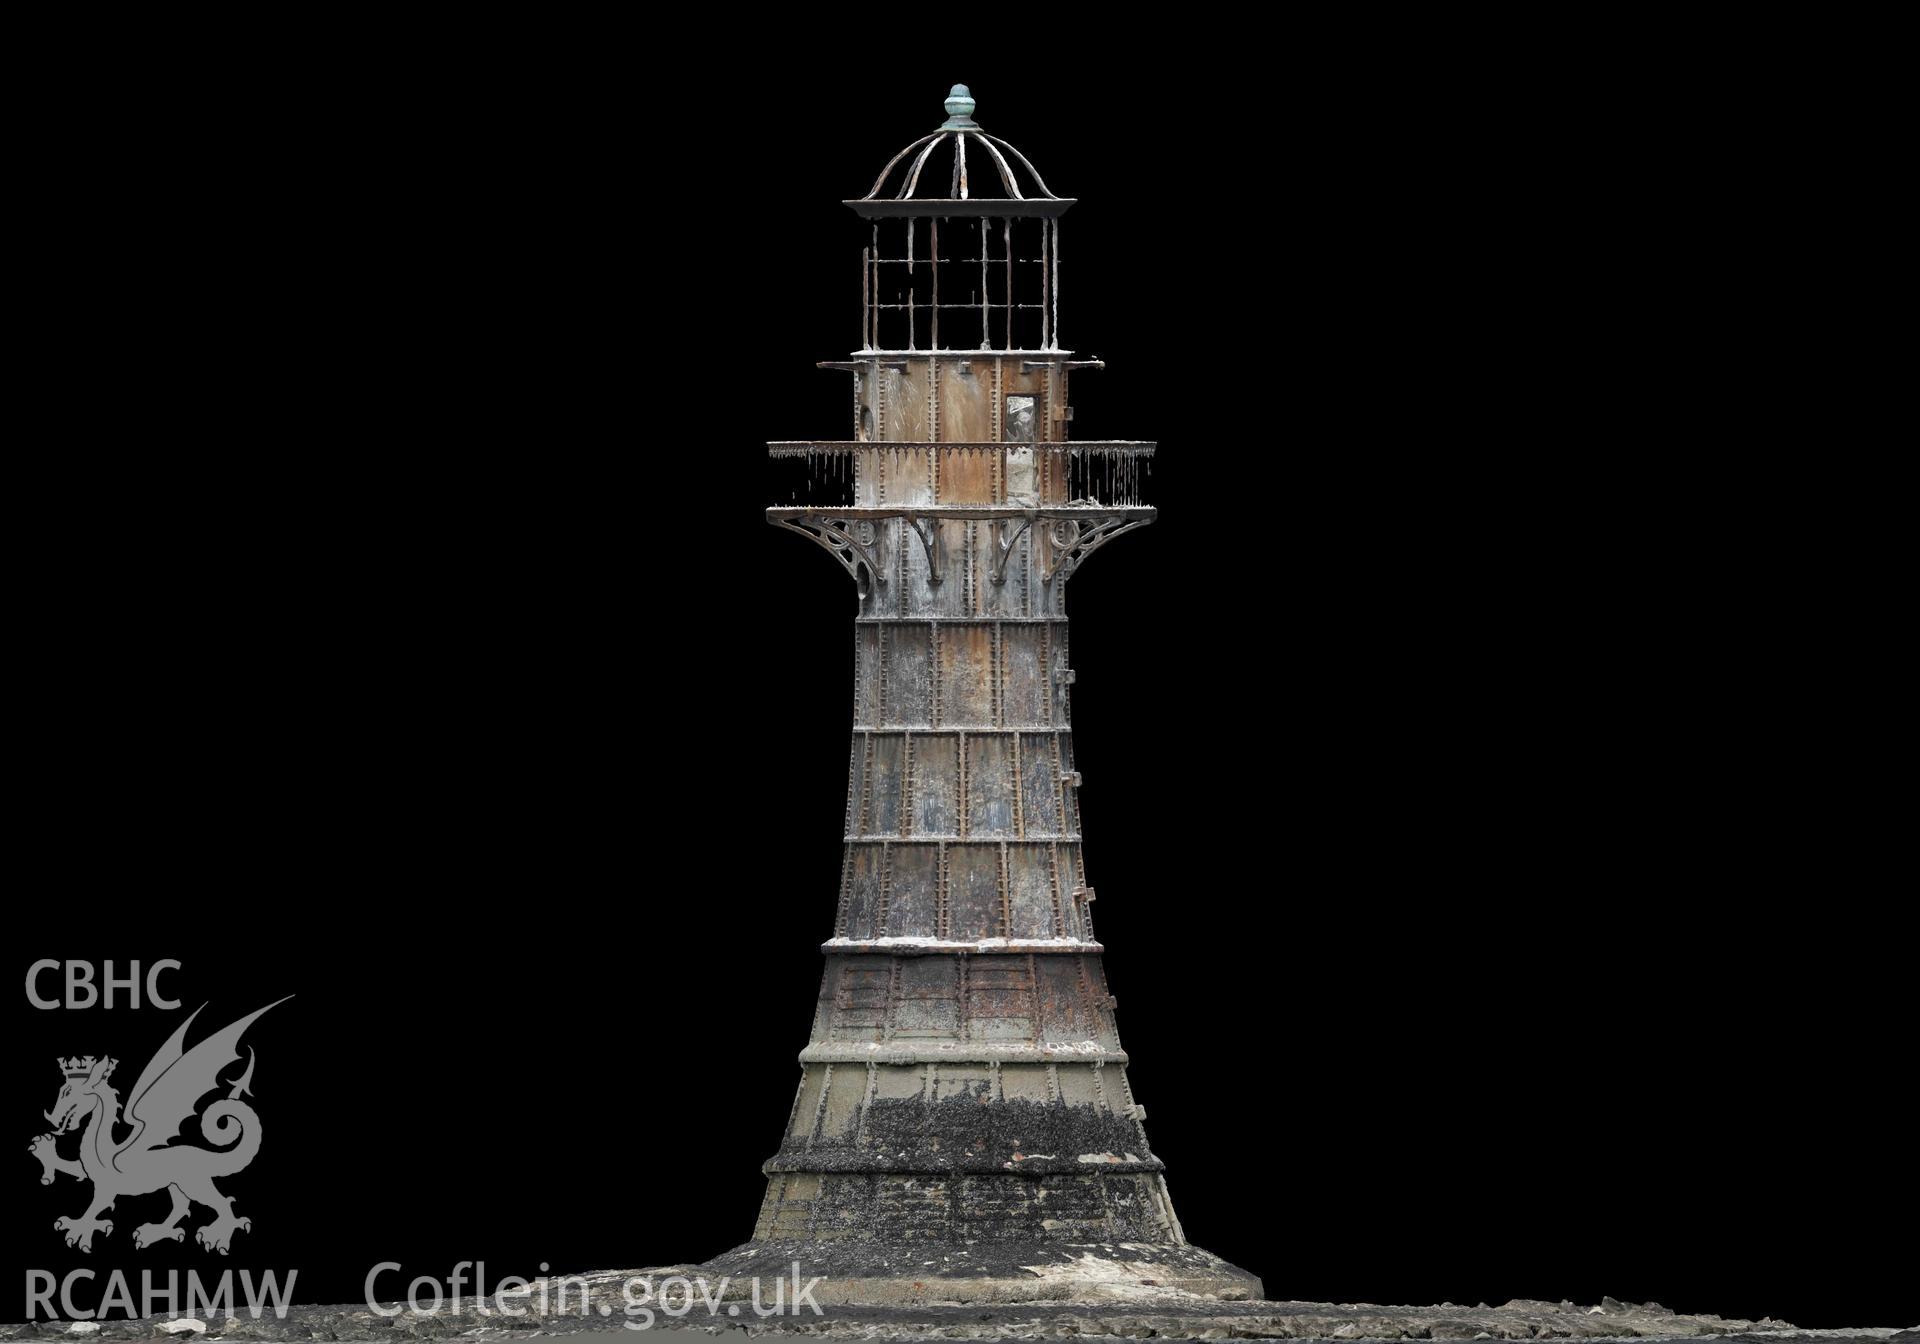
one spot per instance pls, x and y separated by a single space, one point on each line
1074 540
928 530
842 540
1005 532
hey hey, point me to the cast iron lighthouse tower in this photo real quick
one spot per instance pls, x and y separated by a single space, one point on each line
963 1128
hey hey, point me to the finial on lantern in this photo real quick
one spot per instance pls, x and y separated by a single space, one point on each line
960 107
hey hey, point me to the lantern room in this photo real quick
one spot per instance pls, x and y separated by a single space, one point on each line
964 251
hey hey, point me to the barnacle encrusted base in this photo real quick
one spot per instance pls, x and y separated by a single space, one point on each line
896 1273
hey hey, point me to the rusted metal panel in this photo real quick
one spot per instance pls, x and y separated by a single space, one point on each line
863 905
1025 693
936 784
906 392
1000 998
1040 786
973 900
909 680
967 674
913 891
966 410
929 1000
989 785
882 784
858 1010
866 674
1030 891
967 474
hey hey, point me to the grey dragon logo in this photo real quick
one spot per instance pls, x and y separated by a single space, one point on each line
148 1160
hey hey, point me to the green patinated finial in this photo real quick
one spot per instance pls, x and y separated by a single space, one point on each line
960 107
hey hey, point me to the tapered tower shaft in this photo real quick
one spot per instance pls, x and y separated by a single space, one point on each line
964 1077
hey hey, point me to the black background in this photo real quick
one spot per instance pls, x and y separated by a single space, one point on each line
405 637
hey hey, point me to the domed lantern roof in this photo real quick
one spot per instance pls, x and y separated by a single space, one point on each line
958 169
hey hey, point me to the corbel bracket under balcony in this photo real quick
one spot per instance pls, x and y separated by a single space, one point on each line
1006 532
854 542
1075 538
928 530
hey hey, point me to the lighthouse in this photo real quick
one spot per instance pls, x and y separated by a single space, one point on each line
963 1128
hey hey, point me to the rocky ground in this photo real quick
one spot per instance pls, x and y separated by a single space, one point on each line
604 1310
